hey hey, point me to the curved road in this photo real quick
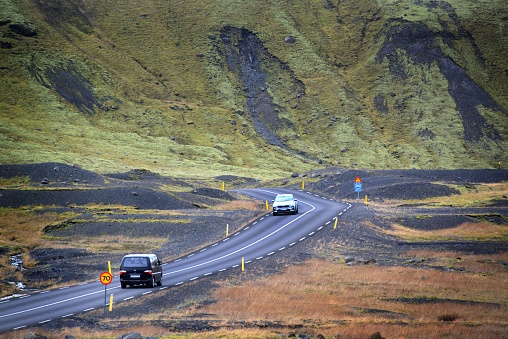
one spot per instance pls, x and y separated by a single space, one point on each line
269 235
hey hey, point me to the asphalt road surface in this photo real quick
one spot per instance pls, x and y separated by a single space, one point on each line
269 235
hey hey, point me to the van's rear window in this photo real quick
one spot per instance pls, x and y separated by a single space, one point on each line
135 262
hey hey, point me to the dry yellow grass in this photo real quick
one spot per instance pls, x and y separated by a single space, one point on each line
486 265
476 196
477 231
18 182
111 243
146 331
21 231
24 229
323 293
240 204
332 299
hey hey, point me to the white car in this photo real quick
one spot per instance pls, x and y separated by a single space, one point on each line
285 203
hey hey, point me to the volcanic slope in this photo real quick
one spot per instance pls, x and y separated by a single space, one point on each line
209 88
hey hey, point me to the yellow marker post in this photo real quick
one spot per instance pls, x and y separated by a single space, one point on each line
266 203
111 302
227 230
109 267
366 200
303 185
243 264
223 185
335 224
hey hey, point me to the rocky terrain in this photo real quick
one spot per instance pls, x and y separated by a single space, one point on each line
54 188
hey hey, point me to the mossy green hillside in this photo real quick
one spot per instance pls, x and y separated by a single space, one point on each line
114 85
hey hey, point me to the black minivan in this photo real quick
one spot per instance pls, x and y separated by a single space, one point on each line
140 269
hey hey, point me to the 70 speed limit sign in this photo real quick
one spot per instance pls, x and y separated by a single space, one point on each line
106 278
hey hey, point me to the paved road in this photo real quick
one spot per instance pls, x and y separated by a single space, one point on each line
269 235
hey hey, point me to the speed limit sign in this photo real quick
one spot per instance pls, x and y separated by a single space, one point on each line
106 278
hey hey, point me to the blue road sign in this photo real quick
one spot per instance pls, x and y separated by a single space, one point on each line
358 186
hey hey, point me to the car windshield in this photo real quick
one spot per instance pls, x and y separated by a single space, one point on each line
288 197
135 262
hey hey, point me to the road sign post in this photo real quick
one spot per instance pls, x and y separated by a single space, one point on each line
358 186
105 279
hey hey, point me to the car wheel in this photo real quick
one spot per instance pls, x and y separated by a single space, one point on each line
124 285
274 213
159 283
152 282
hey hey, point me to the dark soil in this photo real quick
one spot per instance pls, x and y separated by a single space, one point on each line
401 184
196 225
139 197
54 173
433 222
248 59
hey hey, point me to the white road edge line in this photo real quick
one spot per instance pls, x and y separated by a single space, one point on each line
245 247
52 304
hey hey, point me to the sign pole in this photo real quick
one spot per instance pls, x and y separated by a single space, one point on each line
358 186
105 278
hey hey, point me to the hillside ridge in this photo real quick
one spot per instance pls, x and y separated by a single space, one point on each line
262 90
